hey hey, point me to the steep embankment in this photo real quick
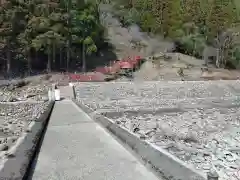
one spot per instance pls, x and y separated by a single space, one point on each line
130 41
124 39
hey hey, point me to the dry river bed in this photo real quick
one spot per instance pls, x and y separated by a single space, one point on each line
198 122
26 93
15 119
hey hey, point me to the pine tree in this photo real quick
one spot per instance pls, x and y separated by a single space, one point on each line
12 22
221 16
168 16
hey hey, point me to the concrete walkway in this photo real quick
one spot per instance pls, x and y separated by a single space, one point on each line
77 148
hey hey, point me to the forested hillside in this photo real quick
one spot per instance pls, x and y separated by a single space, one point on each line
60 34
47 34
191 24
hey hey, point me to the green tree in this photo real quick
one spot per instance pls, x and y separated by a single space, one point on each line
168 16
221 18
222 15
11 24
43 27
86 29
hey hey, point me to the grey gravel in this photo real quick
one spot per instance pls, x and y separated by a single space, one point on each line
201 138
36 93
22 101
15 119
198 122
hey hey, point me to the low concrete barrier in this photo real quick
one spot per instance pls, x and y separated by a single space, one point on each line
20 156
162 162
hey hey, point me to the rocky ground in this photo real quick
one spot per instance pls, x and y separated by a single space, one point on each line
28 93
198 122
32 88
21 102
14 120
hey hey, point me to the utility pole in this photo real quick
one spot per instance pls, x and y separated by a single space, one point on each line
69 7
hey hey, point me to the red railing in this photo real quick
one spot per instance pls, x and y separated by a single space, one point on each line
96 77
99 73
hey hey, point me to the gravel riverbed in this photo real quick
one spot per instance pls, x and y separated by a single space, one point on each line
26 93
198 122
15 119
203 138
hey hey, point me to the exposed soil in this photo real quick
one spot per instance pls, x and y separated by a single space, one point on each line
130 41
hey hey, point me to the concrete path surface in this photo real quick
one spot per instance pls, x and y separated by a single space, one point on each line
66 92
77 148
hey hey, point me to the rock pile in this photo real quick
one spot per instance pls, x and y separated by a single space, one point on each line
198 122
204 138
36 93
21 102
15 119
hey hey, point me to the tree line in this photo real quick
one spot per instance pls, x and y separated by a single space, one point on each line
47 34
192 24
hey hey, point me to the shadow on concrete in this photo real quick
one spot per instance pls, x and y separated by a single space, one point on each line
32 164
